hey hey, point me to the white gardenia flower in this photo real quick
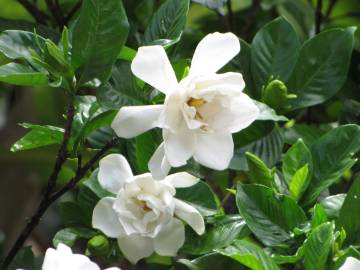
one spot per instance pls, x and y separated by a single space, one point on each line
144 216
62 258
200 112
351 263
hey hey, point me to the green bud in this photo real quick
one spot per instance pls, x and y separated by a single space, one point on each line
275 94
98 245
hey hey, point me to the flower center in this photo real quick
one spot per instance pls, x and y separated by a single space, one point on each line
196 102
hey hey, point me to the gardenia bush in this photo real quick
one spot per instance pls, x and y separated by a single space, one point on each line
228 155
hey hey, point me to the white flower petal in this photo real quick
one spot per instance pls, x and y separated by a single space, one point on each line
152 65
114 171
245 112
135 247
158 164
133 120
179 146
170 239
105 218
190 215
351 263
182 180
214 150
213 52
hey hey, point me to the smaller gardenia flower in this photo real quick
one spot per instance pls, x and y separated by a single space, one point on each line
351 263
144 216
200 112
62 258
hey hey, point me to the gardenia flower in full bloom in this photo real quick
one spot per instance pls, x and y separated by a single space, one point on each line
200 112
62 258
351 263
144 216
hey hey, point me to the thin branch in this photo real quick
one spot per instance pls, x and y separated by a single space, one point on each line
72 12
56 12
38 15
230 15
330 8
318 16
45 201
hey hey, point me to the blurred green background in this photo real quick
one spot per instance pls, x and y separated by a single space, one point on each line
22 174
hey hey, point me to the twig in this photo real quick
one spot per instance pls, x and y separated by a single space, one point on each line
330 9
72 12
56 12
38 15
230 15
318 16
45 201
48 199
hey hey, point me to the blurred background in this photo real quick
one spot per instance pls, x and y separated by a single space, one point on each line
23 174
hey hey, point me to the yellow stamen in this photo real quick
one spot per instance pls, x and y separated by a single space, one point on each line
196 102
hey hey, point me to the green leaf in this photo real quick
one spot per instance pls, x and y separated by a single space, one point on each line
168 22
146 144
308 133
274 52
98 37
201 197
259 173
39 136
321 68
270 216
339 144
332 205
24 259
250 255
69 236
242 63
281 259
126 54
268 148
348 218
71 214
296 158
317 247
16 44
121 90
217 5
220 235
212 261
299 182
319 216
18 74
267 113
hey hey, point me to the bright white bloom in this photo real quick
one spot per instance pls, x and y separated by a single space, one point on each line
350 264
144 216
62 258
200 112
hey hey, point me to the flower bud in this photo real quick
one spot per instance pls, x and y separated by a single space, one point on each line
98 245
275 94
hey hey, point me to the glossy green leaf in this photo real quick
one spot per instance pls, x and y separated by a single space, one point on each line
217 5
317 247
24 259
19 74
38 136
274 52
321 68
299 182
268 148
270 216
212 261
318 216
98 37
121 90
146 144
168 22
267 113
69 236
16 44
349 215
220 235
249 255
200 196
332 205
339 144
296 158
308 133
258 172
